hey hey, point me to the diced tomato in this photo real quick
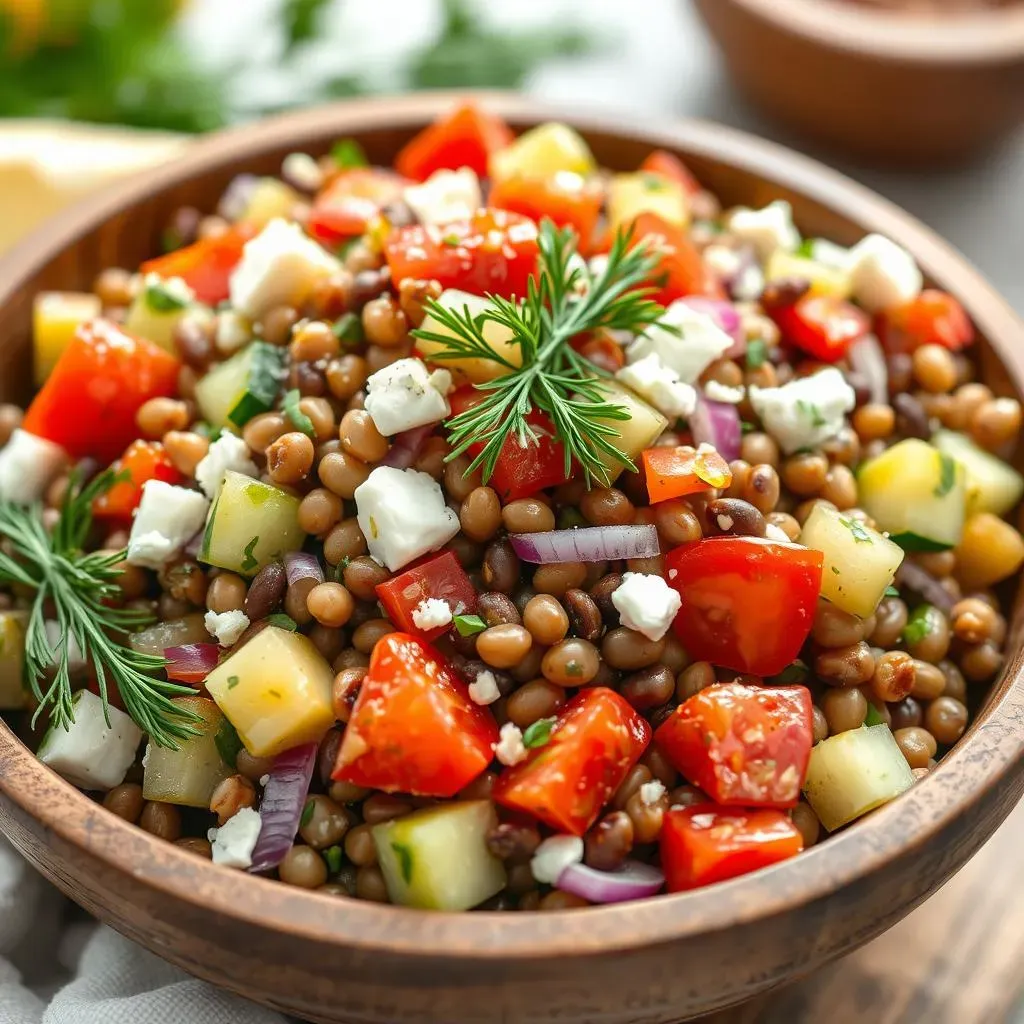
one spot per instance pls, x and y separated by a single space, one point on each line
520 470
748 604
682 270
567 199
143 461
823 326
933 318
464 138
595 742
436 576
414 728
206 265
345 208
705 844
89 402
601 351
674 472
668 165
745 746
492 251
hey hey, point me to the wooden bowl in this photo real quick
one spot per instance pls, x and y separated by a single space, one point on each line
652 962
889 87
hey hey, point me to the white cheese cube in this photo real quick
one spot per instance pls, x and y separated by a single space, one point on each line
228 452
646 603
690 352
510 749
76 659
660 385
718 392
90 753
766 229
279 267
227 627
883 274
405 394
167 518
554 855
445 196
651 792
403 515
484 690
806 411
28 465
234 842
828 254
430 613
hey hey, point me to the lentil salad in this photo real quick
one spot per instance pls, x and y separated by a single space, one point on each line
564 674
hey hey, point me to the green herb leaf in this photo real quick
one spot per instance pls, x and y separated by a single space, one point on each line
873 717
538 734
307 813
805 249
249 561
332 858
757 353
746 427
290 405
947 475
856 527
348 329
469 625
452 240
891 591
796 672
919 625
347 153
405 860
570 518
282 621
653 182
228 743
835 569
233 681
812 412
162 299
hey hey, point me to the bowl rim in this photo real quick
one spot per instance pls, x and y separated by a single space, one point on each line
993 741
992 36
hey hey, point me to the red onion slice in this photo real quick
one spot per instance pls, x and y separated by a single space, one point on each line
588 544
633 881
868 359
191 663
284 797
922 582
726 316
405 447
301 565
717 424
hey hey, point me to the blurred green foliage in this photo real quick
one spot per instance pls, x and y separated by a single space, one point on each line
122 62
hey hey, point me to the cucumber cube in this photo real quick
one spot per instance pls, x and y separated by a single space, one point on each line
992 485
242 386
12 660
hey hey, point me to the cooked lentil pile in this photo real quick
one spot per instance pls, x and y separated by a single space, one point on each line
495 531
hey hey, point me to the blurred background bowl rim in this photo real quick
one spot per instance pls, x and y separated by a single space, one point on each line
891 832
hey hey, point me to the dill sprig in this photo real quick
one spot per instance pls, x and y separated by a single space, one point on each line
81 587
564 299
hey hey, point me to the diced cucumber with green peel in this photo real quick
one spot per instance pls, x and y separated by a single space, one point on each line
992 485
190 774
437 858
243 386
12 660
854 772
156 311
251 524
915 493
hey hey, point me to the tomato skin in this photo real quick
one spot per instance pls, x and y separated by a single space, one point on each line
748 604
437 576
745 746
570 202
492 251
597 739
142 461
671 472
933 318
464 138
682 270
668 165
601 351
347 205
704 844
206 265
414 728
89 401
823 326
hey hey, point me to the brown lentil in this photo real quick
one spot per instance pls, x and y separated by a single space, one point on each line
253 768
956 685
874 421
609 842
647 817
845 666
558 899
974 621
844 709
480 515
819 724
295 600
161 820
303 867
571 663
807 823
628 650
676 522
946 719
497 609
159 416
359 846
513 841
894 677
384 323
546 619
981 662
125 801
378 807
226 593
290 458
331 605
890 621
906 713
762 489
758 448
185 450
557 577
735 516
503 646
197 845
346 375
649 687
342 473
917 745
693 679
996 423
637 776
319 511
835 628
527 515
606 506
263 430
345 540
360 437
804 474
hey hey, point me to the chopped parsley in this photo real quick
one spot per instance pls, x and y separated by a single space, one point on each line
228 744
332 858
405 861
162 299
573 668
653 182
538 734
348 153
947 475
469 625
835 569
873 717
233 681
275 693
249 561
348 329
307 813
812 412
757 353
569 518
891 591
806 249
856 527
796 672
919 625
746 427
451 240
290 406
283 621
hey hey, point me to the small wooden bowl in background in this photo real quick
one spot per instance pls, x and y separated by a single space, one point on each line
891 88
652 962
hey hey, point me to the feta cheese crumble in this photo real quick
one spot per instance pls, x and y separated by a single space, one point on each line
554 855
805 412
445 196
234 842
406 394
883 274
776 533
719 392
689 353
510 749
660 385
403 515
227 452
302 171
651 792
646 603
484 689
430 613
28 465
766 229
167 518
227 627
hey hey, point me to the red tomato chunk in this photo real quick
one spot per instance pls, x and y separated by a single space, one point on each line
206 265
346 207
142 462
437 576
933 318
743 745
568 201
414 728
821 325
464 138
595 742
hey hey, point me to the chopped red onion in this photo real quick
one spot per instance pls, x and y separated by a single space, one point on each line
191 663
587 544
921 581
405 447
633 881
236 196
726 316
717 424
868 359
301 565
284 797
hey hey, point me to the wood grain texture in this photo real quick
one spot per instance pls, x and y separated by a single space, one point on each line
652 962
